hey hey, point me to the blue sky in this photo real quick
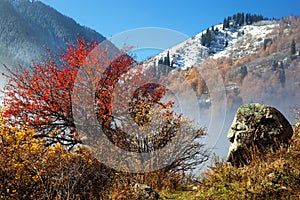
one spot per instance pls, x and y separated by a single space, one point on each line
111 17
189 17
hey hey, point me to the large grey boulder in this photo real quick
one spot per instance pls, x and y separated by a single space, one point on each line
256 130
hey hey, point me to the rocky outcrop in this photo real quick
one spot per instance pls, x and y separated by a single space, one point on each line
256 130
145 192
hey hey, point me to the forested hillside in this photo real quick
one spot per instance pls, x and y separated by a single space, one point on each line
253 69
29 27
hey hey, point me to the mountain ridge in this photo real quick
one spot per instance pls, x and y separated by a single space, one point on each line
28 27
192 53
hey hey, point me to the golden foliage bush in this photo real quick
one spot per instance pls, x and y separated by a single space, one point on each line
32 170
29 170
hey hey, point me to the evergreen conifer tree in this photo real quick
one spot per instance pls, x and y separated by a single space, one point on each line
293 47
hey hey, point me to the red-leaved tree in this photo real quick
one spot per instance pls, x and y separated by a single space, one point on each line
39 96
42 97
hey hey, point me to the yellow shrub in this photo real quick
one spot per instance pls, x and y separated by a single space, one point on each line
30 170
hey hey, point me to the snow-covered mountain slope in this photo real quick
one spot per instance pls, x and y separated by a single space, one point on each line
185 54
247 39
236 42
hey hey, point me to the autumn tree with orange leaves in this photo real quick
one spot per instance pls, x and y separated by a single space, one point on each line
40 95
42 98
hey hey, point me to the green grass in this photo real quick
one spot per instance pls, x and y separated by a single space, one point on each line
277 176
